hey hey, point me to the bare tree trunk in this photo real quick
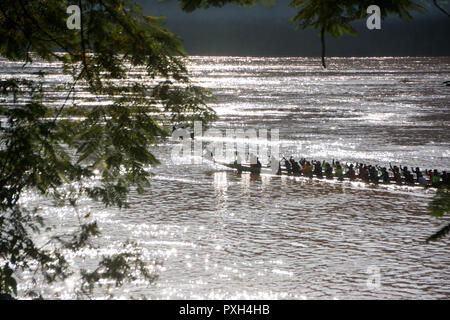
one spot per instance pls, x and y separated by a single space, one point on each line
322 39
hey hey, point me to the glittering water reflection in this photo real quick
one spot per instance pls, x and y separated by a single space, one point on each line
224 235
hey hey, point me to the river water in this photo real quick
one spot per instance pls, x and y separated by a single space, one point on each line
224 235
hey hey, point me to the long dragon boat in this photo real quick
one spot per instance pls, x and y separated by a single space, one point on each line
253 169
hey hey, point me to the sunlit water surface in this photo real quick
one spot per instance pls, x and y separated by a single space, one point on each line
224 235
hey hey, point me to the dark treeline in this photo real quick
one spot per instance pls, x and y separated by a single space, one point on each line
279 38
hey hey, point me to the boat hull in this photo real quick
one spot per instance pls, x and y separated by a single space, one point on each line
284 171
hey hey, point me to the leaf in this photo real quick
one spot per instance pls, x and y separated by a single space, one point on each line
440 205
439 234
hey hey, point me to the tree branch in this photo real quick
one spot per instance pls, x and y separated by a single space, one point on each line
440 8
322 39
